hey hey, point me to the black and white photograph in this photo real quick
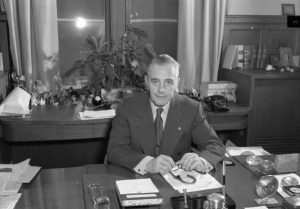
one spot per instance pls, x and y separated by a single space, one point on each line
169 104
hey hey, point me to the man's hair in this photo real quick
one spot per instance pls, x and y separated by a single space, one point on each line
164 59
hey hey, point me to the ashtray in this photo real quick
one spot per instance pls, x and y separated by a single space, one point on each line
288 181
253 160
266 166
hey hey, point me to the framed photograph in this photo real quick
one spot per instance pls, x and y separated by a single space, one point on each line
285 54
275 60
288 9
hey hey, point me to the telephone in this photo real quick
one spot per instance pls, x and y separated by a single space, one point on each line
216 103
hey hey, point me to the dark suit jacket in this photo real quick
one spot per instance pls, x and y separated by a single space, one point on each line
132 136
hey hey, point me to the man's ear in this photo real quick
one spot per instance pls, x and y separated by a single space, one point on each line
178 80
146 81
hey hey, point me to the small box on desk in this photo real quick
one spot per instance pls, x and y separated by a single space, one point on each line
225 88
138 192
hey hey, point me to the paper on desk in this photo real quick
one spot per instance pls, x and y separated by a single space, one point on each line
258 207
280 177
20 173
17 169
135 186
9 202
235 151
100 114
203 182
29 173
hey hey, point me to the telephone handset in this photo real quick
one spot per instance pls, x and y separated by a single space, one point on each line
216 103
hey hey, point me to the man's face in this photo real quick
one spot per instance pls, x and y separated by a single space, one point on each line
162 82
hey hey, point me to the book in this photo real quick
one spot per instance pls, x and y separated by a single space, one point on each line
263 60
259 53
254 51
247 57
240 57
138 192
229 61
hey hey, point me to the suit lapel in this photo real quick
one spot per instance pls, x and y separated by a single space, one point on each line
147 126
173 128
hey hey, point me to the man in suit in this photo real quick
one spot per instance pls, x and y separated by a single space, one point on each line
135 142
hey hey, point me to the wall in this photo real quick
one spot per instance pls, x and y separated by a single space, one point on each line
259 7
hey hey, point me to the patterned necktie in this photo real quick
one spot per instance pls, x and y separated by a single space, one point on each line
158 129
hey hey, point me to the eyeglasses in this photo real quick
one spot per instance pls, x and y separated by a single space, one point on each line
182 175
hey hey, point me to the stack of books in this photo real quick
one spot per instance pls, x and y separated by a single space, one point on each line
245 57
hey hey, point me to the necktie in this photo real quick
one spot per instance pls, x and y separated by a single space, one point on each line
158 129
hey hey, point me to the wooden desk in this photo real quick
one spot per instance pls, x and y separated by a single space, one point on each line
62 188
54 136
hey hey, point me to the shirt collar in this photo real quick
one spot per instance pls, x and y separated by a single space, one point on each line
154 107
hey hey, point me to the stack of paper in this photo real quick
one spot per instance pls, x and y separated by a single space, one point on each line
11 178
100 114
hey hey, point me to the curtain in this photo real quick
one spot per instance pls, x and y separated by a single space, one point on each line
200 33
34 39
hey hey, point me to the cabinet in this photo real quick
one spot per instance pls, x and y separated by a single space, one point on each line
274 101
271 31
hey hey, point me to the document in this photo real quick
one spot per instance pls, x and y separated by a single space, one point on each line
203 182
99 114
9 202
13 175
235 151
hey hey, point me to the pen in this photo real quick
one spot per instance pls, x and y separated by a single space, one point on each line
185 199
224 177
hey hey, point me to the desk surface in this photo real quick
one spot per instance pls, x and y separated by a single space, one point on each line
62 188
49 123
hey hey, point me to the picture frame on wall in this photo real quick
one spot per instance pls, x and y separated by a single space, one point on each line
288 9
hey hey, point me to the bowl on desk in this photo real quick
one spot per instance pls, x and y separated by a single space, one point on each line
266 167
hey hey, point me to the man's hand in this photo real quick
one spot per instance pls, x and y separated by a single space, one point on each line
191 161
161 164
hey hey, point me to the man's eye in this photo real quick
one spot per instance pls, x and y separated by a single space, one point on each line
155 82
170 83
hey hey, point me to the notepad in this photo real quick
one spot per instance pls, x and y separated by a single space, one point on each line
138 192
100 114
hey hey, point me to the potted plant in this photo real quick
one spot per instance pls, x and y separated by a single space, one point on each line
121 67
132 55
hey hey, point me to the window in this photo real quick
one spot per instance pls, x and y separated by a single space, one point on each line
159 19
77 19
